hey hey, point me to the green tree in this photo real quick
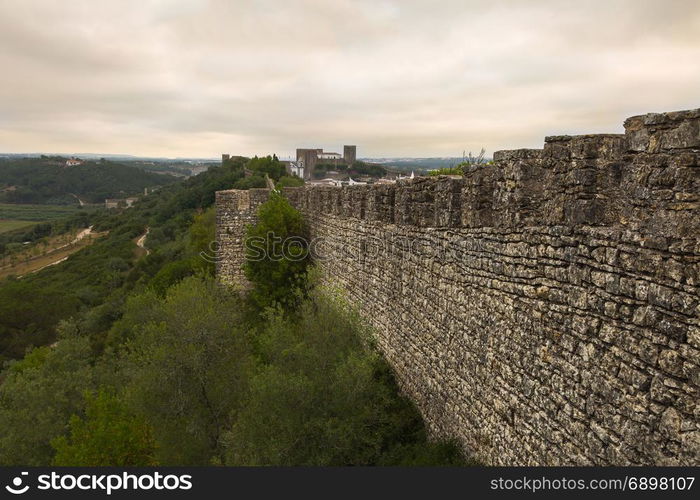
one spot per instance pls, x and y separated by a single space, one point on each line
289 181
269 165
172 273
29 314
186 367
108 435
202 234
38 396
324 396
276 253
253 181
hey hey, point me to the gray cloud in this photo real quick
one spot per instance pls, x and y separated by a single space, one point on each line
198 77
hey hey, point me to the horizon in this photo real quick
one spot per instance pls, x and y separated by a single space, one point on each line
212 158
197 78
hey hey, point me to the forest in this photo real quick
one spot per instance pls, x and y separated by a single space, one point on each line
120 357
47 180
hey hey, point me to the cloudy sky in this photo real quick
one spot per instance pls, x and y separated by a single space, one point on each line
397 78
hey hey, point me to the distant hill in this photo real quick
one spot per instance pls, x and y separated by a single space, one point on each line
416 164
50 180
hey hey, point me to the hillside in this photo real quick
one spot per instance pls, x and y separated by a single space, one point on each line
47 180
124 357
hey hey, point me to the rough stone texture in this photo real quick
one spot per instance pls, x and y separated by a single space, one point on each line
544 310
235 209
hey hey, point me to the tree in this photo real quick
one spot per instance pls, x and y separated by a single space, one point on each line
38 396
276 253
269 165
289 181
254 181
109 435
202 235
324 396
172 273
186 367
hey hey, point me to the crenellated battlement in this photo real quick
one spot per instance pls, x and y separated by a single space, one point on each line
543 309
589 179
661 132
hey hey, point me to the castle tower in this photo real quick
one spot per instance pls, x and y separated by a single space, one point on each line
307 159
349 154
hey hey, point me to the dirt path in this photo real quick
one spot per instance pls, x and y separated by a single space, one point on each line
52 256
82 234
82 203
62 259
141 242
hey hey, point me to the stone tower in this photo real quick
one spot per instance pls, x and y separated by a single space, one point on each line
308 159
349 154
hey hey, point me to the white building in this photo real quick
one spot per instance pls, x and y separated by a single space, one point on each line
297 168
329 156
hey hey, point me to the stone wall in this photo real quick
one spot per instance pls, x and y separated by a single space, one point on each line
235 209
544 309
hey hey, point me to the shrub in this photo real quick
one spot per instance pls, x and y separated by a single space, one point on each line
108 435
276 253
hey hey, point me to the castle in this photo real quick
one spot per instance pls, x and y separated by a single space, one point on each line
307 159
542 310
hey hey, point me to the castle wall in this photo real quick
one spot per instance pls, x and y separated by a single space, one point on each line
543 310
235 209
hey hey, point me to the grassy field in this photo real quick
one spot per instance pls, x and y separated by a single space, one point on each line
11 225
34 213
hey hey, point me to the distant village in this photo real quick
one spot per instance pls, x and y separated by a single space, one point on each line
327 168
127 202
314 165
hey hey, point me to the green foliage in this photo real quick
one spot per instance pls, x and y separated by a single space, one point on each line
185 368
324 396
157 366
202 241
289 181
170 274
253 181
276 253
204 381
446 171
357 168
39 395
92 283
370 169
48 180
7 226
109 435
31 223
269 165
37 213
322 170
29 315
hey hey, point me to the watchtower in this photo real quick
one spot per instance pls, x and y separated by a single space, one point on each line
349 154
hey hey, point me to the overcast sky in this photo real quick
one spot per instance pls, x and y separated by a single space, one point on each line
397 78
